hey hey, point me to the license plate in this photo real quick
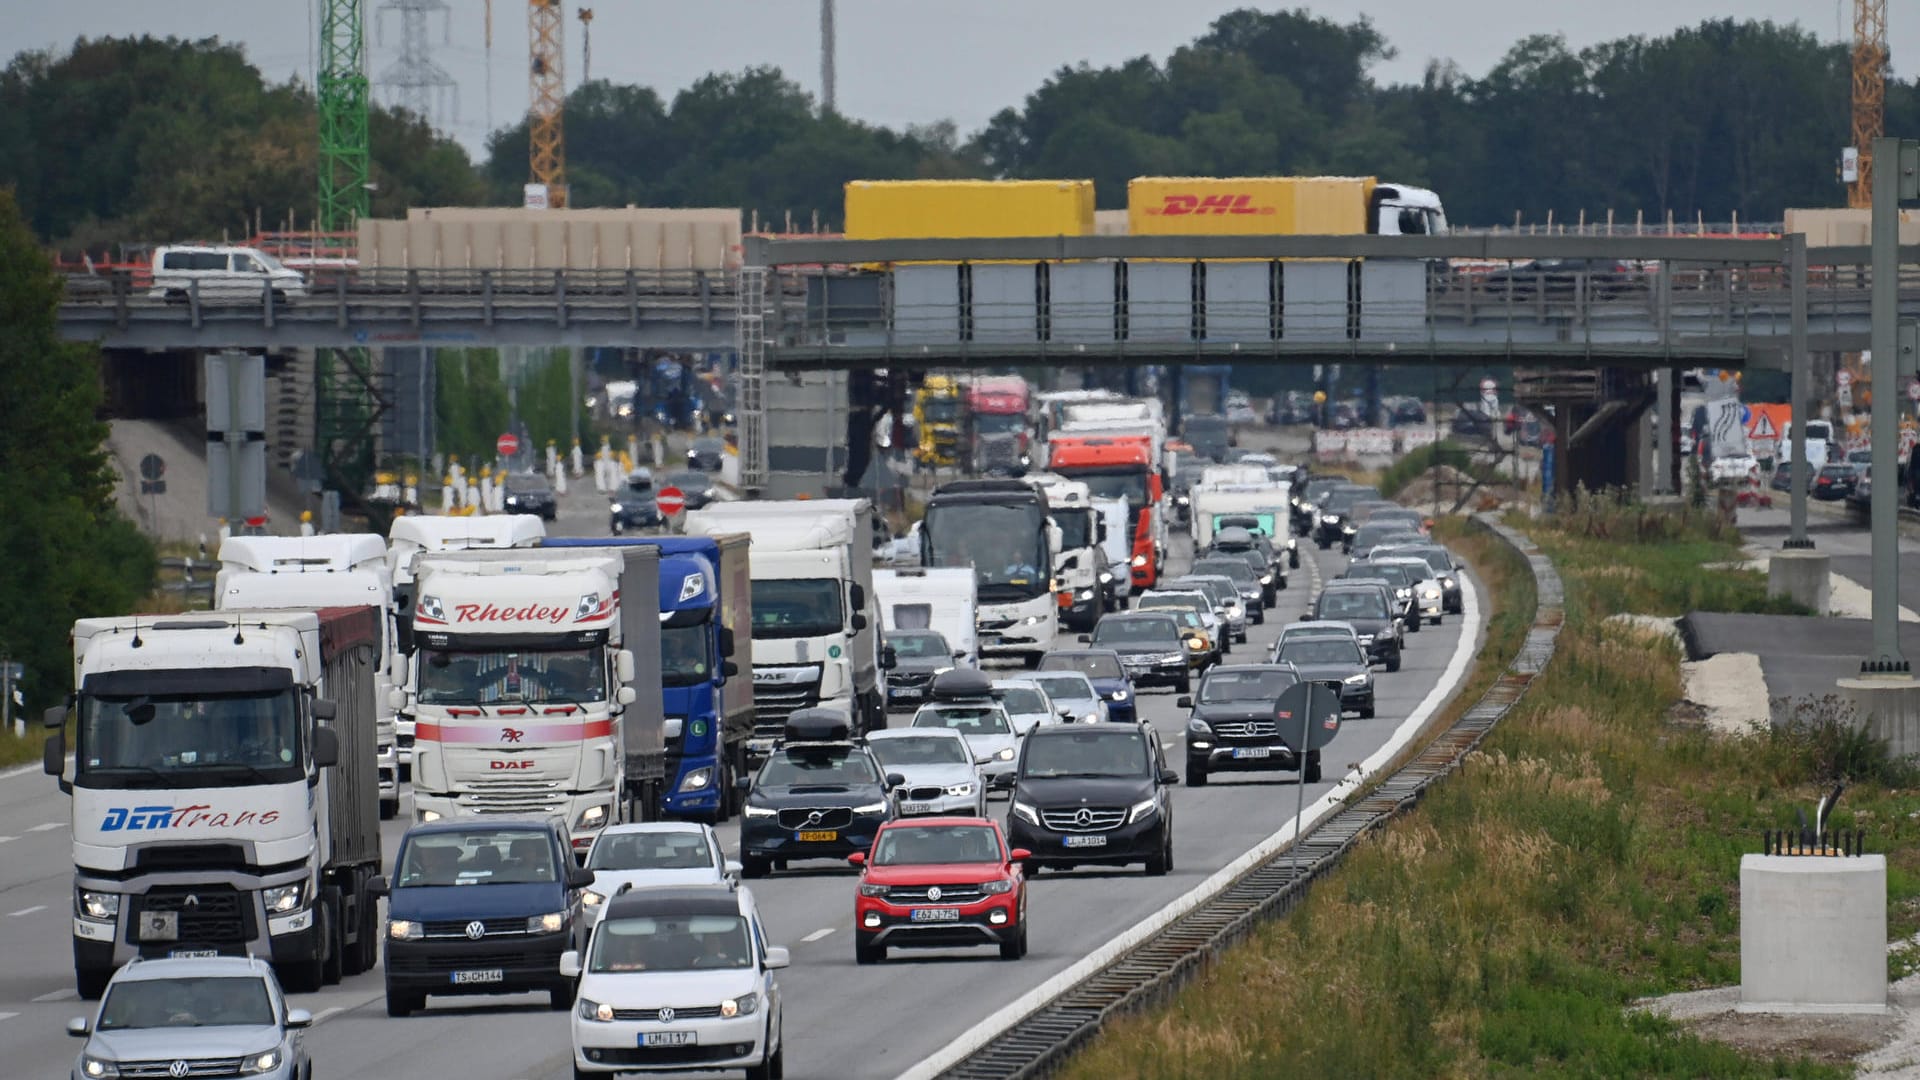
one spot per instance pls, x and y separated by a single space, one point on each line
192 954
669 1038
911 808
761 746
481 975
817 836
908 692
1095 840
992 639
1252 752
159 926
934 914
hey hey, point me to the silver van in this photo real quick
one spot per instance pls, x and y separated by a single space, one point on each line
223 274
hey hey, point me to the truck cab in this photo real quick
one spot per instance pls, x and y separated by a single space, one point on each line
1080 562
1120 466
1001 530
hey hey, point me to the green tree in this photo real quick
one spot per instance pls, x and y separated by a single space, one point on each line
65 552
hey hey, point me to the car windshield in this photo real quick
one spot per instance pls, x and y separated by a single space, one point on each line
1003 543
477 857
1092 665
1023 699
965 719
671 943
486 677
686 654
807 766
898 751
920 646
1352 604
1163 602
1392 575
710 446
1085 750
690 480
1062 689
1113 631
1225 686
192 740
999 423
1329 650
1237 569
640 486
526 483
679 850
1835 472
1129 484
924 845
199 1001
796 607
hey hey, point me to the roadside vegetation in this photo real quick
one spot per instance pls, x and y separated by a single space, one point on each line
1420 460
1586 857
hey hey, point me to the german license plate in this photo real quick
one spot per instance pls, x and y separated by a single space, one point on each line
934 914
911 808
159 926
817 836
1242 752
906 692
192 954
1095 840
479 975
669 1038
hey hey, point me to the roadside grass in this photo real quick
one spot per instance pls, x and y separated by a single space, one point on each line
1586 857
1419 460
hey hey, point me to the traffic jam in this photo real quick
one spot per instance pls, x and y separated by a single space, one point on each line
614 748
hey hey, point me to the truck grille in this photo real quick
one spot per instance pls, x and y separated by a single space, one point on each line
1096 819
195 1067
457 928
680 1012
831 817
212 915
1247 729
773 704
949 894
532 797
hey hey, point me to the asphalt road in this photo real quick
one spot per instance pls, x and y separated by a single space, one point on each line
841 1021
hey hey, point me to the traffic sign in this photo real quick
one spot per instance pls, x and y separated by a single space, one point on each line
1762 429
152 467
1913 390
671 500
507 444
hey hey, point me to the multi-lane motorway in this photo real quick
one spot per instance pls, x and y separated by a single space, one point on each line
841 1020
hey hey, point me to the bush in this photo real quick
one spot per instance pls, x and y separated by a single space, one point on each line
1822 742
1443 453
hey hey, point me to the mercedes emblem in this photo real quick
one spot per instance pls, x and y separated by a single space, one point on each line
476 930
934 894
1083 817
666 1016
178 1068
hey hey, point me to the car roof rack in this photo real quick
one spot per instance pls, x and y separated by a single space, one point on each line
960 684
817 725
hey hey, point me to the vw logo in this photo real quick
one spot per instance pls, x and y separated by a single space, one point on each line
934 893
476 930
666 1016
1083 817
178 1068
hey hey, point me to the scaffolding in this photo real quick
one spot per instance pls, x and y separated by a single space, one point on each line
750 341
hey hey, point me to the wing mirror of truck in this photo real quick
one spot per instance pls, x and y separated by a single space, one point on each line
626 695
726 641
857 597
53 758
859 621
890 658
672 727
1100 531
729 669
396 698
55 717
325 708
623 665
326 747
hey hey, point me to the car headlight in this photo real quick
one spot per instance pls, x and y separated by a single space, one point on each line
1024 812
1446 583
404 930
872 808
1105 577
592 899
960 791
1005 754
550 923
594 1010
1138 561
1200 728
1430 593
1086 594
758 811
282 899
877 892
1142 809
428 817
99 906
1348 529
616 508
430 607
995 888
1196 644
260 1063
1266 579
1033 620
744 1005
591 818
1357 680
1182 500
1118 695
98 1066
697 780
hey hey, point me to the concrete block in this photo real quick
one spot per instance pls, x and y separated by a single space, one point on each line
1813 934
1889 707
1801 576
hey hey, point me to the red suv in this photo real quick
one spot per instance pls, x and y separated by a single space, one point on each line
937 883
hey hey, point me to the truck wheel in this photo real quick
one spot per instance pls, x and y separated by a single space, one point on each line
1185 685
1393 662
90 983
560 996
864 953
364 953
1312 775
331 942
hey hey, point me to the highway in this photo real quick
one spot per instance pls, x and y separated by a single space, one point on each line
840 1020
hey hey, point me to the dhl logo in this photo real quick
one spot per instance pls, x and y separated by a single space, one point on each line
1176 205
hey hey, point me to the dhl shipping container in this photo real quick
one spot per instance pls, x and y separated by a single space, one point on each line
921 209
1250 205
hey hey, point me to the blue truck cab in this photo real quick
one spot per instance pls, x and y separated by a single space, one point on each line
706 666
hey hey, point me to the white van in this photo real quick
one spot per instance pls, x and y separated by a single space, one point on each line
224 274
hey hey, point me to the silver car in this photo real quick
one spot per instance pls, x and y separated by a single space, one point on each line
1226 599
941 770
1073 694
987 730
652 855
198 1016
1026 702
1429 597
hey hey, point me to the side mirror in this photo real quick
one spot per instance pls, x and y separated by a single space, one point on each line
378 886
1183 702
77 1027
623 665
857 597
55 717
1086 639
326 747
570 964
731 869
959 654
983 759
325 709
895 780
777 958
299 1018
1019 854
672 727
1100 531
626 695
53 757
729 669
859 621
889 657
726 641
858 858
1168 776
396 698
743 784
579 877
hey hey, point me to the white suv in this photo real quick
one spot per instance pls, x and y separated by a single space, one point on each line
677 979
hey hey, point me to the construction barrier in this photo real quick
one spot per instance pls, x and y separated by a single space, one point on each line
1370 442
1413 438
1330 445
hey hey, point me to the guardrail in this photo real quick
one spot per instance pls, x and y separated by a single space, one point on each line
1040 1043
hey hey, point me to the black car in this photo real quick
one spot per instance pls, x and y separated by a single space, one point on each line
820 795
1371 610
1333 659
696 486
1306 497
1397 581
1334 523
919 655
1406 410
1151 647
1270 570
1599 279
634 505
1253 594
1093 794
1376 533
1233 727
479 906
706 453
529 493
1834 482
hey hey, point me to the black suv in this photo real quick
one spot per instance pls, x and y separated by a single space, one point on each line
819 796
634 505
1252 549
1335 523
1252 593
1233 726
1150 645
1369 608
1098 794
529 493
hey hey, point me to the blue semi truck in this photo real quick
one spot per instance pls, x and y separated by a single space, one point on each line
706 666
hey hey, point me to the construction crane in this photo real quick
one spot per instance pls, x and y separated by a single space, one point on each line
586 44
343 117
1869 93
547 92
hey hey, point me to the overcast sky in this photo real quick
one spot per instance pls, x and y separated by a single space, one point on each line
899 61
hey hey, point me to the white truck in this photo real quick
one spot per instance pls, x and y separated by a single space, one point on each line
224 797
1267 499
1117 542
816 624
310 572
940 600
1080 563
534 685
412 534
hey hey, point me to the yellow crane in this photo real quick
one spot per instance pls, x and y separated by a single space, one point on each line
1869 92
547 93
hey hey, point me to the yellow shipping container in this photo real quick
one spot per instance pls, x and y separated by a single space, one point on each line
920 209
1248 205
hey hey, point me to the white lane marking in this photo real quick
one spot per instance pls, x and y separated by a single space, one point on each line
816 935
993 1026
26 770
26 911
323 1014
46 825
8 1015
8 839
57 995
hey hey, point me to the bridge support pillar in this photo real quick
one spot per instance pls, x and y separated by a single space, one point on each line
1803 576
1888 707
